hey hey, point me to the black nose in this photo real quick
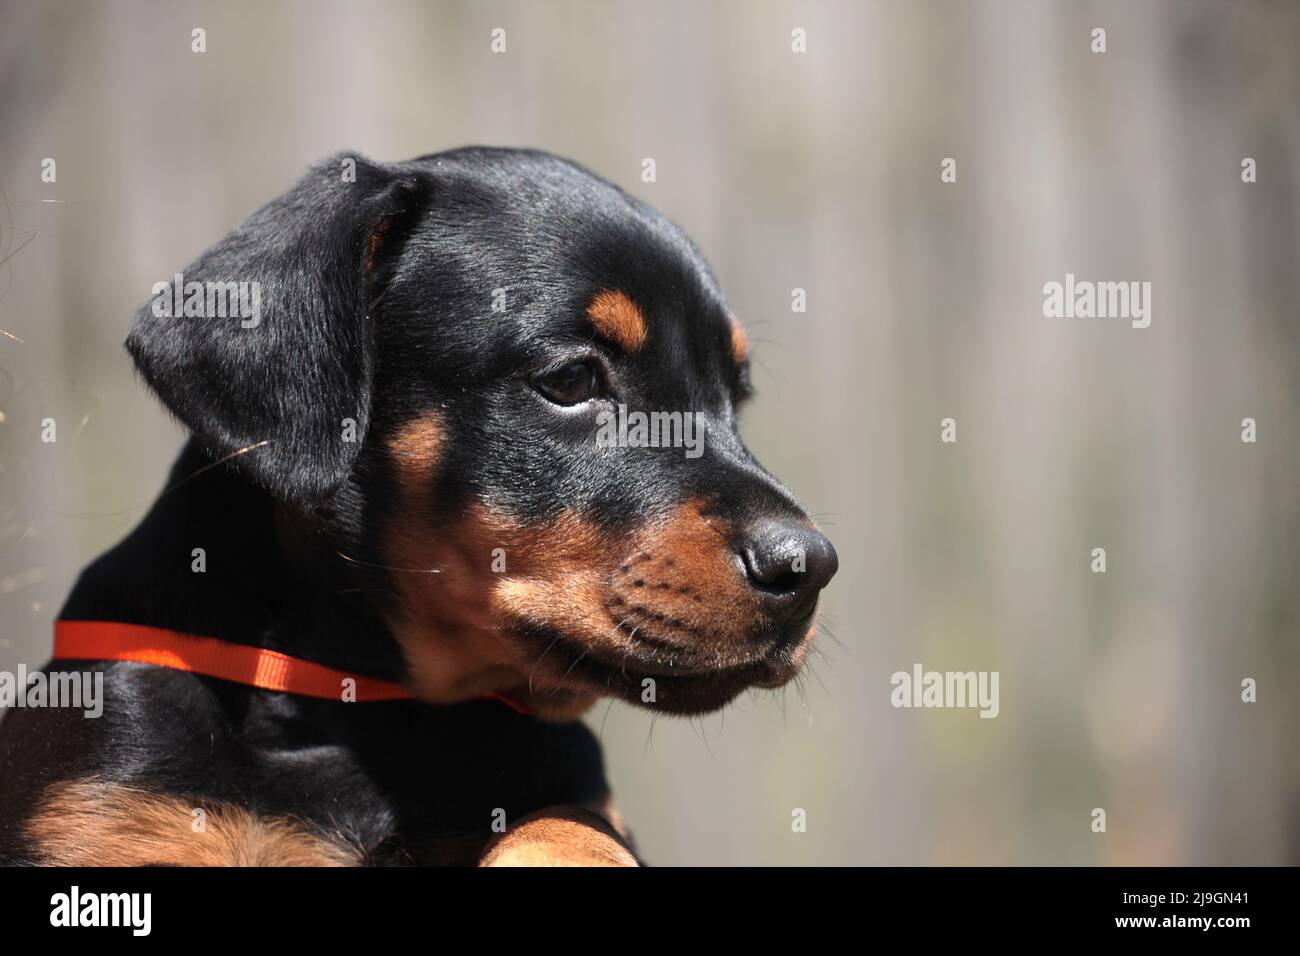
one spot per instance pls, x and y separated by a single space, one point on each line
788 564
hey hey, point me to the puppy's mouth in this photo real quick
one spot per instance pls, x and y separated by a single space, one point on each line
661 674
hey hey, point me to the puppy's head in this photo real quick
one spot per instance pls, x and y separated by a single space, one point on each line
522 385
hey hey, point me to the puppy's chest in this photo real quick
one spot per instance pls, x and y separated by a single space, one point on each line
182 771
432 788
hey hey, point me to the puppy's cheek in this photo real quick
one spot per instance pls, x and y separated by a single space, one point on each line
440 572
571 601
465 584
556 579
442 617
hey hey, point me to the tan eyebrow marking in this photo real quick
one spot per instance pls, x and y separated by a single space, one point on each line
739 344
617 317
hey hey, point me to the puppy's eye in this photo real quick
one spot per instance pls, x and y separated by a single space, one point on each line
571 384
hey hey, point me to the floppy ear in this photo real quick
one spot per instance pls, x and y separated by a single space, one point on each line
287 358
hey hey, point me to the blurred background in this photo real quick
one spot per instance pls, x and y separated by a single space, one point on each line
817 171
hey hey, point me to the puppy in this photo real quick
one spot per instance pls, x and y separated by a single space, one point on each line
464 459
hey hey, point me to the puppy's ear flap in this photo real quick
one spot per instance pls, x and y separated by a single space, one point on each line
288 369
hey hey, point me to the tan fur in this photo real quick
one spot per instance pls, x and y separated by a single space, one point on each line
449 623
90 823
619 319
417 450
739 343
559 836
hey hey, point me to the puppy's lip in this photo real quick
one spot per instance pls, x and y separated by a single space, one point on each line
642 666
772 664
678 691
797 629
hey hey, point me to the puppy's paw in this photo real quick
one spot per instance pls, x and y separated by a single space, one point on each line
559 836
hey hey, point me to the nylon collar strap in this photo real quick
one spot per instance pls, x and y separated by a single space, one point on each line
238 663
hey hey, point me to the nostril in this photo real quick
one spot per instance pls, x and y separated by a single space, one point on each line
772 578
784 560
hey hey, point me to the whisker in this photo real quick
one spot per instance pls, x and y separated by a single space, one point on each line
387 567
360 590
649 734
576 661
811 669
609 705
538 662
823 628
19 249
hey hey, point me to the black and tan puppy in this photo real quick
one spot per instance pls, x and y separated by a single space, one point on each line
397 477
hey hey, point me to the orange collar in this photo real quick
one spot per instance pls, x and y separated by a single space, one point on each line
239 663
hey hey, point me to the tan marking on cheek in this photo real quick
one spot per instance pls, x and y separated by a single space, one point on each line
87 823
739 344
444 621
618 318
571 600
558 578
449 623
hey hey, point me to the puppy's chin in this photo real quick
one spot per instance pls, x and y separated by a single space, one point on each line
557 706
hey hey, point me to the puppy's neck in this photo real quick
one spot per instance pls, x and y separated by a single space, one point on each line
210 558
217 557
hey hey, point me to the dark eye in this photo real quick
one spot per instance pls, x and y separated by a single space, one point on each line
570 384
